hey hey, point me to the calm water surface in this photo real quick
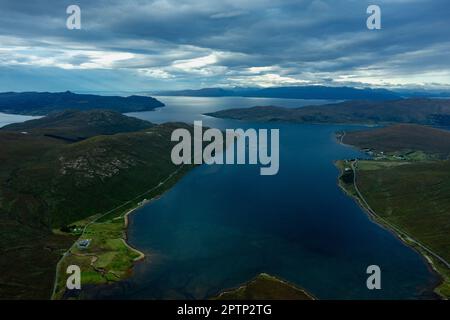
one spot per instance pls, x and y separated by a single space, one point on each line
222 225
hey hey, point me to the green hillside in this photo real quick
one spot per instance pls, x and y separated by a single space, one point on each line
406 186
43 103
420 111
403 137
47 184
75 125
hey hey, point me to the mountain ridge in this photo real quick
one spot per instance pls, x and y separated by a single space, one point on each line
420 111
75 125
43 103
47 184
291 92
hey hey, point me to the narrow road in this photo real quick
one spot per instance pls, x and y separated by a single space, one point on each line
342 137
354 166
55 285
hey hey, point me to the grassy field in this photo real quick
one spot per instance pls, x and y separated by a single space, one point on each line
60 172
406 187
108 258
28 259
265 287
413 197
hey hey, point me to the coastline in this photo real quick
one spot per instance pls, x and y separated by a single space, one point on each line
257 287
406 239
126 220
141 255
133 254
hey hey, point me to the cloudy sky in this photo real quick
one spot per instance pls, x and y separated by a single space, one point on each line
144 45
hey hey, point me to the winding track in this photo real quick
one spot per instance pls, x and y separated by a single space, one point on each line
55 284
354 165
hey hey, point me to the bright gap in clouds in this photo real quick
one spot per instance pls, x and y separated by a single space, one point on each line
134 45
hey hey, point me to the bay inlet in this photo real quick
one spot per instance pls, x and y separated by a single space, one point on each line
221 225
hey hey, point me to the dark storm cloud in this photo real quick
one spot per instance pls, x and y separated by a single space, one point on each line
232 42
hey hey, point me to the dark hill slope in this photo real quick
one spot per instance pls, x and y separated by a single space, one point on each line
46 183
401 138
78 125
42 103
420 111
75 181
292 92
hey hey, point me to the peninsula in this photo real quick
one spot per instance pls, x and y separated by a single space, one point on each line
67 182
421 111
265 287
405 187
43 103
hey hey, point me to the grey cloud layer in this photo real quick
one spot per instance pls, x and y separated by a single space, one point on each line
247 42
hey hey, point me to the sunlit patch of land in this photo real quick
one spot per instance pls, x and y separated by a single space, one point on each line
265 287
407 190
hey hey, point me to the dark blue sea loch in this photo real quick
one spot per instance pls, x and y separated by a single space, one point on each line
222 225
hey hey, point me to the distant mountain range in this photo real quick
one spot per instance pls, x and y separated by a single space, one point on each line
43 103
299 92
419 111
